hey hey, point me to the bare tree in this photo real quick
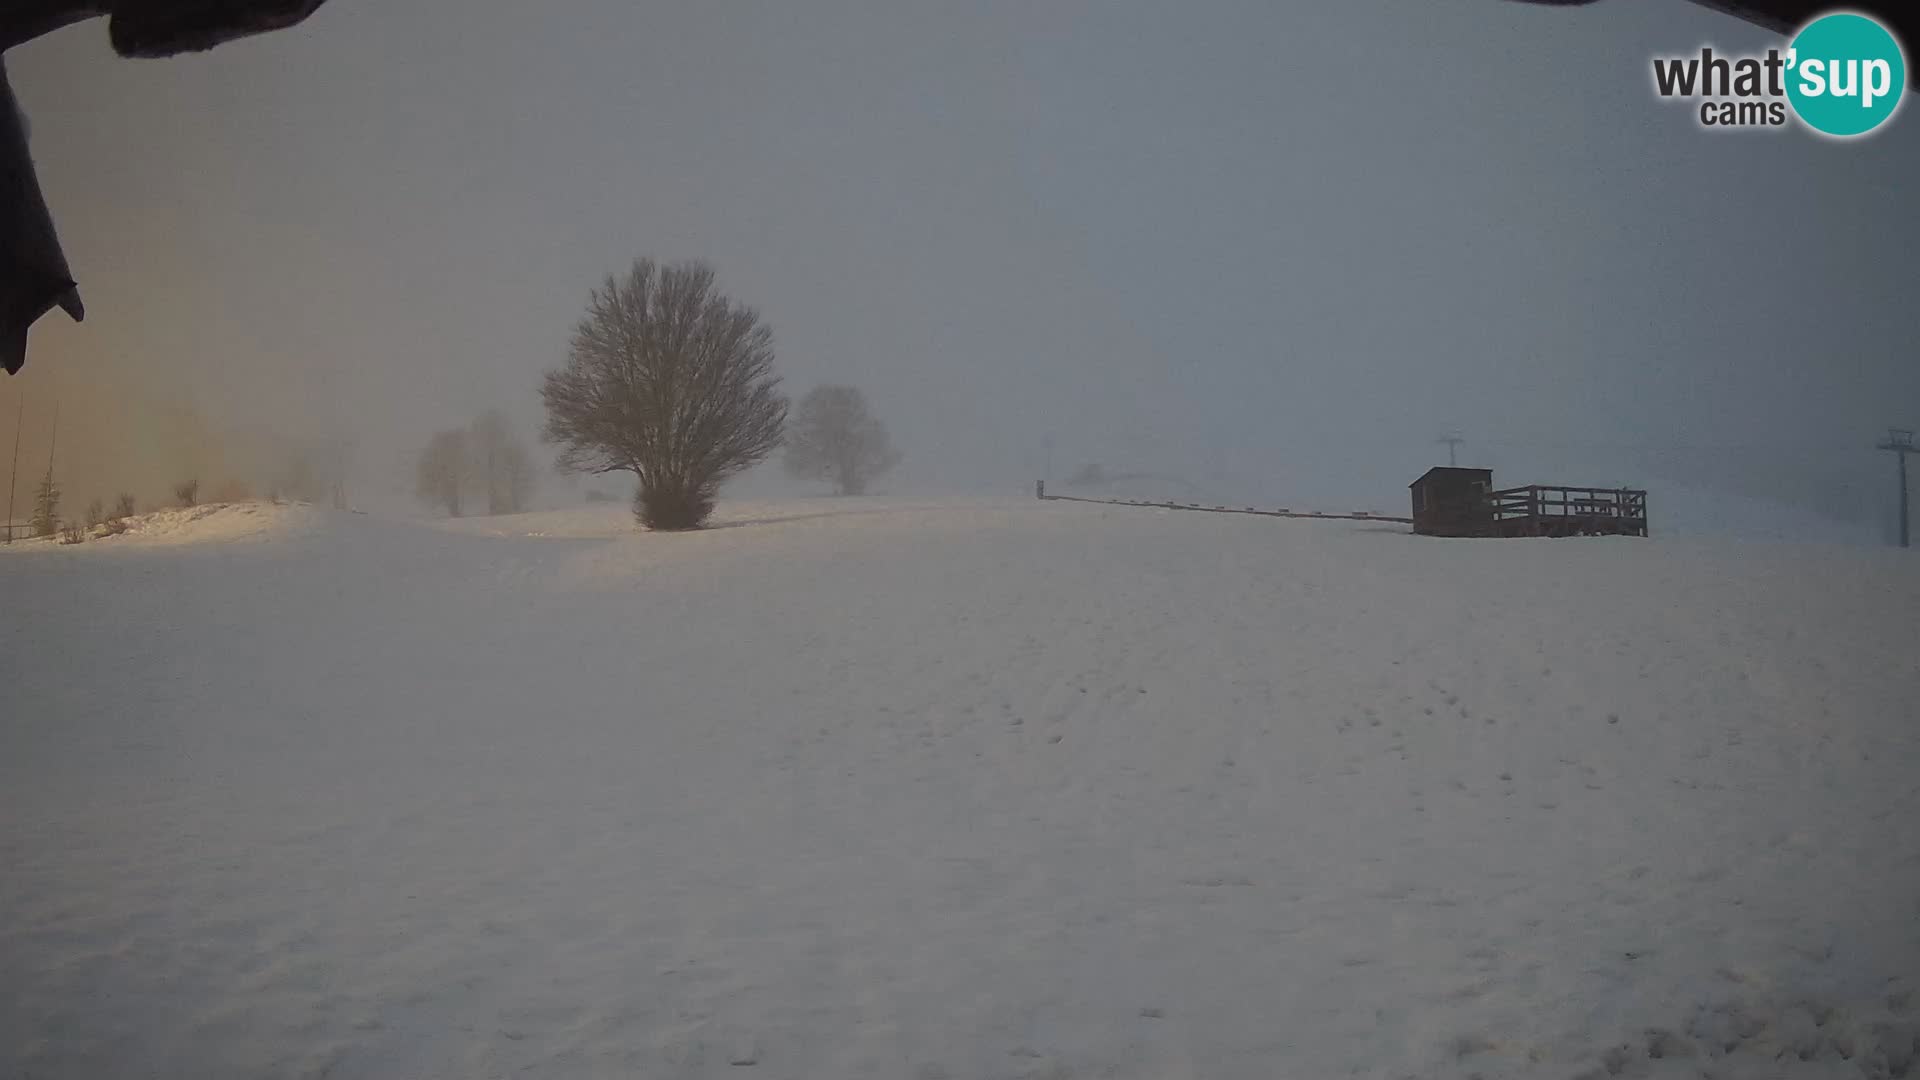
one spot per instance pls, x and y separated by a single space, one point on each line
669 379
1092 474
444 470
834 437
516 476
298 480
500 464
312 472
187 492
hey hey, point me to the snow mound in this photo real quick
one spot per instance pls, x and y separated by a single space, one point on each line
215 523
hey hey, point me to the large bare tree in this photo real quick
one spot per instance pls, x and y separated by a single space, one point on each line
834 437
669 379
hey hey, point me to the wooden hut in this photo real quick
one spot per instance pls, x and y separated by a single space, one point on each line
1452 502
1463 502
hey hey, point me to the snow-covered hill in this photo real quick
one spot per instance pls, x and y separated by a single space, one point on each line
202 524
970 788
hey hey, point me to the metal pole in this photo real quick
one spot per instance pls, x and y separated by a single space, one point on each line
1903 499
1900 442
53 440
13 475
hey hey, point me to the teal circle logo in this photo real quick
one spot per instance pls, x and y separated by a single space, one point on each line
1845 74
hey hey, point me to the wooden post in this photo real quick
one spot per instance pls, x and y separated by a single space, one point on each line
1039 489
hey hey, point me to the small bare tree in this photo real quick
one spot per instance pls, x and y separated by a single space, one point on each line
669 379
834 437
122 510
187 492
311 472
46 507
444 471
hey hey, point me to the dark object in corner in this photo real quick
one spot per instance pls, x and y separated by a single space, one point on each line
33 270
1786 16
154 28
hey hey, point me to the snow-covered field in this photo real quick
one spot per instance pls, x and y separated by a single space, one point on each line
959 789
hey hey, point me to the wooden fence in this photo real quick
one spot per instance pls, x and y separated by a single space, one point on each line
1563 511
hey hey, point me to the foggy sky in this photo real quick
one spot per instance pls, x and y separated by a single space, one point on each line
1273 248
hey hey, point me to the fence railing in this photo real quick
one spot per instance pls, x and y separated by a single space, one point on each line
1536 501
1040 489
1538 510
